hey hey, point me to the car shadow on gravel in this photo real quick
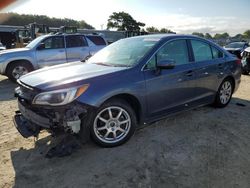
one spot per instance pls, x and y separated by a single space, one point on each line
7 88
204 147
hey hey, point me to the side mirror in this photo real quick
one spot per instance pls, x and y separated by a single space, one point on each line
41 46
166 64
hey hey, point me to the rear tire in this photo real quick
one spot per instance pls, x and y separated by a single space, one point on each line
113 123
18 69
224 93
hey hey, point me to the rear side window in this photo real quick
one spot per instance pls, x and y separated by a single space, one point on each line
201 50
97 40
216 53
75 41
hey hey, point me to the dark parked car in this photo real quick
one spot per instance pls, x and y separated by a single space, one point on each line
245 61
131 82
236 48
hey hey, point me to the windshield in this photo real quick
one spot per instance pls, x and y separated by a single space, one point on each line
125 52
235 45
34 42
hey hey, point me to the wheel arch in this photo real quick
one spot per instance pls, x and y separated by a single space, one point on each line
231 78
132 100
18 61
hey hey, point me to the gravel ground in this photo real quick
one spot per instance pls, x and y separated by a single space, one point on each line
205 147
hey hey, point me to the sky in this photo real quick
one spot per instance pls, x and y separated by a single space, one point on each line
181 16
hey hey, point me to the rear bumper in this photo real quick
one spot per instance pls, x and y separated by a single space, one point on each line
237 84
237 77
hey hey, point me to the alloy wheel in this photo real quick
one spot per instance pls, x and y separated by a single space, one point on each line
112 124
19 71
225 92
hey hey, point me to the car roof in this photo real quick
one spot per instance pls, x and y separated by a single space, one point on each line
72 34
169 35
166 36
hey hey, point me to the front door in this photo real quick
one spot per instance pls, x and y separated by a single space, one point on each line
170 90
51 51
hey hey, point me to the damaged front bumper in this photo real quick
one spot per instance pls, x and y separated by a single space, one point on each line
25 127
30 119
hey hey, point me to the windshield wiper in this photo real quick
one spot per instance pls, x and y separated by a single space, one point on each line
86 58
120 65
112 65
104 64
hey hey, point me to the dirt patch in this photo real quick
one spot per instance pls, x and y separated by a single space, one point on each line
205 147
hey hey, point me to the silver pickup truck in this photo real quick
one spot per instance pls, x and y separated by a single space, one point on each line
48 50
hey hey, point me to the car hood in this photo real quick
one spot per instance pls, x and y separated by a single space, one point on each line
59 75
14 50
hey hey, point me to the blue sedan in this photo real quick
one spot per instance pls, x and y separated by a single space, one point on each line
131 82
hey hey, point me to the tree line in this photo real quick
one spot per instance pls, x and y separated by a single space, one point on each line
25 19
245 35
123 21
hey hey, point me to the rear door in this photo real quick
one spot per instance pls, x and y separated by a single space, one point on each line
51 51
76 47
209 62
170 90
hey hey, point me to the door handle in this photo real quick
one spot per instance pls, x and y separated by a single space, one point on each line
189 73
61 50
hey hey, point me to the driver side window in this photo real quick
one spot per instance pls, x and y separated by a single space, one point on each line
176 50
53 43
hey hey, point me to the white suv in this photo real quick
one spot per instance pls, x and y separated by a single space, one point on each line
49 50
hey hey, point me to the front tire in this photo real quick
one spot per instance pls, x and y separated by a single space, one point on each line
113 123
224 93
18 69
